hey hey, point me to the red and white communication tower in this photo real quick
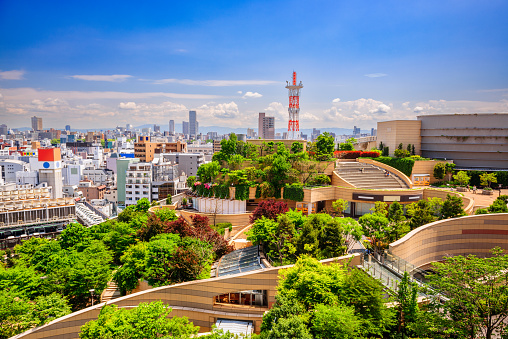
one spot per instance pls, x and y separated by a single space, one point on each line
294 107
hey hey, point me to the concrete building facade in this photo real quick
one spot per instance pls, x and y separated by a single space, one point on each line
36 123
266 126
473 141
392 133
188 163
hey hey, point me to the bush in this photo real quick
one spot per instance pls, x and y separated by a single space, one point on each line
242 192
269 209
221 227
481 211
402 153
293 192
405 165
320 179
386 151
221 191
370 154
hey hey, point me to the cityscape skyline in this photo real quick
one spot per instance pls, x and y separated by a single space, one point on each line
228 62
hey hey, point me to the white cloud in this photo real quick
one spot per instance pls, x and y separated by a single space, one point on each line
381 109
212 83
336 100
418 109
109 78
12 75
376 75
24 93
239 92
220 111
127 105
277 110
252 95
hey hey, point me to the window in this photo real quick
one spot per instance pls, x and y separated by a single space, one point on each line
256 298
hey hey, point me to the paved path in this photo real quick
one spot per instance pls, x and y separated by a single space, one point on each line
483 200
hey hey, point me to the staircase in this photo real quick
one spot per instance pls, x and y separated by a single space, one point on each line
111 292
372 177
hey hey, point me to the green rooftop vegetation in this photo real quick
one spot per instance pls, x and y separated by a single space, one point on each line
268 167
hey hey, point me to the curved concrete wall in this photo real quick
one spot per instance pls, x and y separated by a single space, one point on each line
475 234
193 299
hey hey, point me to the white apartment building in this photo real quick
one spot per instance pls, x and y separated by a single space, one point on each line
138 182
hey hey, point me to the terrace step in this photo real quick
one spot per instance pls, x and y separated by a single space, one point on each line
368 176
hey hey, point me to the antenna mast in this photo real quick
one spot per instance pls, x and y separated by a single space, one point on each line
294 107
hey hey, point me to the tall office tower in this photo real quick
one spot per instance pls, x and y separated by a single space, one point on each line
373 132
128 127
50 170
266 126
294 107
36 123
156 128
250 133
171 127
356 131
193 124
67 127
185 127
3 129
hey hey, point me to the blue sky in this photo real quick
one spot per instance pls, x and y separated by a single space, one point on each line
102 64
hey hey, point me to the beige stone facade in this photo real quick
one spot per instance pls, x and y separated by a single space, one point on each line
394 132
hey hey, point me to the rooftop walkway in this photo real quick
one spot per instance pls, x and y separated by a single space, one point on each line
371 177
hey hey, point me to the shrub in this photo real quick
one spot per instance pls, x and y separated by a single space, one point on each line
402 153
320 179
241 192
386 151
439 170
293 192
221 227
370 154
481 211
269 209
405 165
347 154
221 191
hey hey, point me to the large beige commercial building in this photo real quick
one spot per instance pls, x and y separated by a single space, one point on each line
266 127
472 141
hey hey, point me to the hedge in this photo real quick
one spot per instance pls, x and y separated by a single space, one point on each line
221 191
355 154
242 192
293 192
405 165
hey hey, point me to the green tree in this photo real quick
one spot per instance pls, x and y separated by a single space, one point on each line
396 212
439 170
208 172
339 206
13 311
296 147
73 235
332 240
462 178
487 179
143 205
376 227
325 146
407 308
55 142
147 320
452 207
335 322
499 205
477 297
380 207
420 213
190 181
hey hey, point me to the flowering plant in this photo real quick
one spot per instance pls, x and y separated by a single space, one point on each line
208 186
197 183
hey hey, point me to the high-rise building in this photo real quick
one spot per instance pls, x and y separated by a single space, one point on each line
128 127
171 127
67 127
356 131
156 128
250 133
373 132
266 126
185 127
193 124
36 123
3 129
